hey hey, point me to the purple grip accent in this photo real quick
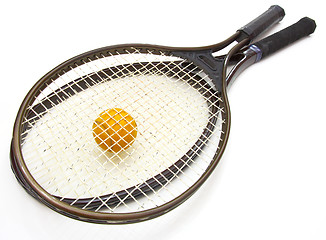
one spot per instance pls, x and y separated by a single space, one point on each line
257 51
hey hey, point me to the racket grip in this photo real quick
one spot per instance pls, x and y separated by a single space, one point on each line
283 38
260 24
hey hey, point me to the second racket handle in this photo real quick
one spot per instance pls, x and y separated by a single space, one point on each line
281 39
260 24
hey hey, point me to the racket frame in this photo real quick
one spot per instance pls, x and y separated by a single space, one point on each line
215 68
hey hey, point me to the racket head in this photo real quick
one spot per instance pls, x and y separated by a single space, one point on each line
161 71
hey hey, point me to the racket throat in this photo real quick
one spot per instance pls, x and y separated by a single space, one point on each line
213 67
247 58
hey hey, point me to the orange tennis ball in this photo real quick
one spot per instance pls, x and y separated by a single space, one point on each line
114 130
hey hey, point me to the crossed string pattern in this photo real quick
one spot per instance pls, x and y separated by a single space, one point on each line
178 118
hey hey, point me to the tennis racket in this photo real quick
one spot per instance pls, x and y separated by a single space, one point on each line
126 133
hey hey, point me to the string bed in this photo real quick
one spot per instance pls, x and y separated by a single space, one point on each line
179 126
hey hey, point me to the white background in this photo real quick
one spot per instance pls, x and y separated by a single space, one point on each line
271 181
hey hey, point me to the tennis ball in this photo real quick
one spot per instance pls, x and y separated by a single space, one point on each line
114 130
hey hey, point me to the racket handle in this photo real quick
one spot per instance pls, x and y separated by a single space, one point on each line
281 39
269 18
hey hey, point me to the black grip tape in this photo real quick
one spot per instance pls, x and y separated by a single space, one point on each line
260 24
281 39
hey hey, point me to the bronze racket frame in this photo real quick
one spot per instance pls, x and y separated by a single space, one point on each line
201 57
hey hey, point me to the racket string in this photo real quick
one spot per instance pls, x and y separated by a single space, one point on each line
135 162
